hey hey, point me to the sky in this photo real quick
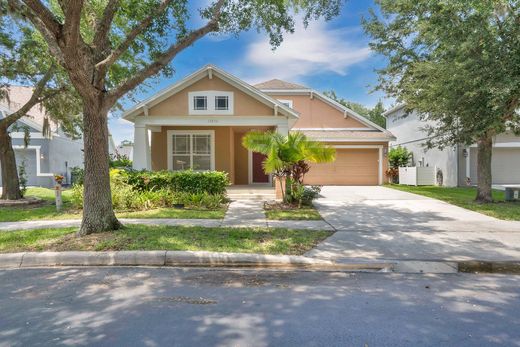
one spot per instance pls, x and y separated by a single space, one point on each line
330 55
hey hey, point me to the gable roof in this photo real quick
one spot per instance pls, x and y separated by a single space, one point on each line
345 110
19 96
278 84
208 70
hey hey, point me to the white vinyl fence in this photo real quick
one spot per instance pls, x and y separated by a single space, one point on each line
418 175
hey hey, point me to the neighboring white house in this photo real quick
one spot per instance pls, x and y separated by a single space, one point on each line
458 162
44 156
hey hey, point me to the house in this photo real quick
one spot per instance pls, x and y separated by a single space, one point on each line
44 156
199 123
456 163
125 149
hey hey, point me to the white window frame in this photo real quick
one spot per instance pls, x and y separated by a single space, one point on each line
227 100
170 134
195 103
211 107
286 102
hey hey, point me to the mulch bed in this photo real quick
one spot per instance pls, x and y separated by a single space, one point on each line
23 202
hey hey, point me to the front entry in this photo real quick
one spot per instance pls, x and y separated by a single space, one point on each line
258 174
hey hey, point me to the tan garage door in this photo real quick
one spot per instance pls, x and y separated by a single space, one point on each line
358 166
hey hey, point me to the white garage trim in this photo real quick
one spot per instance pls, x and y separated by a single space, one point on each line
380 160
38 166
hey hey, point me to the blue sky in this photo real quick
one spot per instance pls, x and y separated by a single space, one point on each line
327 55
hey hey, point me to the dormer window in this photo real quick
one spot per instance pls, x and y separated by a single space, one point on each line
200 102
287 103
221 103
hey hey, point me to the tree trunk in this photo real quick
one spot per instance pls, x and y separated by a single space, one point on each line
485 147
10 182
98 214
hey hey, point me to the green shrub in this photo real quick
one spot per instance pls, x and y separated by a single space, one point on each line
125 197
399 157
188 181
77 175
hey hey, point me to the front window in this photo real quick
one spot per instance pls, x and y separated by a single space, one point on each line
201 102
191 151
221 103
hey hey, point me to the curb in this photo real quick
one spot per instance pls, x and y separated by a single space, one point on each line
180 259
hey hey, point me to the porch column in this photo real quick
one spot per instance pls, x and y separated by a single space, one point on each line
282 129
141 159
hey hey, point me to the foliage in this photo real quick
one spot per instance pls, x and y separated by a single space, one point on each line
22 178
77 175
374 114
455 63
399 156
128 196
119 161
281 211
187 181
393 174
288 156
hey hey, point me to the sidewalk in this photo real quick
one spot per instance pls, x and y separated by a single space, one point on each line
240 214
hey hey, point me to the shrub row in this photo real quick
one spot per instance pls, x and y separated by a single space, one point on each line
193 182
125 197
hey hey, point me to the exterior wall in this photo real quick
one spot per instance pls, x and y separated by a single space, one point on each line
53 154
178 104
316 113
230 155
410 134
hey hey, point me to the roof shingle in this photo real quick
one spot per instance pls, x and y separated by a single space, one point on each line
279 84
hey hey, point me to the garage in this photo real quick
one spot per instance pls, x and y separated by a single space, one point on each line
353 166
505 165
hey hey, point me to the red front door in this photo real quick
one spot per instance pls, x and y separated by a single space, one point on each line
259 175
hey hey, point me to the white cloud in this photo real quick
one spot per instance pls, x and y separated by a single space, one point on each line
314 50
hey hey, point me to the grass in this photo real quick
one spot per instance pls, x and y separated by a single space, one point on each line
465 197
141 237
48 211
289 212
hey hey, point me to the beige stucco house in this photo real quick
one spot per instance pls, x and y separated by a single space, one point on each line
199 123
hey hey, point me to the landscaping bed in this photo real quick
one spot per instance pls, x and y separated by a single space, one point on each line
168 238
465 197
282 211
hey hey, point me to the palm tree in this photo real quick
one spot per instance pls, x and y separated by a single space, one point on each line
287 157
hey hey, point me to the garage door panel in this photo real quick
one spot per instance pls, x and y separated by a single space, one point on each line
352 167
505 164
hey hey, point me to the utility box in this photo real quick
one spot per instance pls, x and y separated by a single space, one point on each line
512 193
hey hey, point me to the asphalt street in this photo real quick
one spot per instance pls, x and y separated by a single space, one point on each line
123 306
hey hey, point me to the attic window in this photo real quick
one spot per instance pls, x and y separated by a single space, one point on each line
221 103
287 103
200 102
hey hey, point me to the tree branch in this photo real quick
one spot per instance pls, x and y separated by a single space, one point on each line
71 28
35 99
145 23
164 59
45 15
49 36
103 25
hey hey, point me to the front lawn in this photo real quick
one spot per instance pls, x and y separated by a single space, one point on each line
280 211
465 197
48 211
141 237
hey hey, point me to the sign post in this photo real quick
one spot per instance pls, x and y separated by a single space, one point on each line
57 191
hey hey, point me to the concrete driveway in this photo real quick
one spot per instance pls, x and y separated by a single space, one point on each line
383 223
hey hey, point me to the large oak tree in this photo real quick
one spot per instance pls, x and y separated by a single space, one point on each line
457 63
110 47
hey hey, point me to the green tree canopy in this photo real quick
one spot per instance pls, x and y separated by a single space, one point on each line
457 63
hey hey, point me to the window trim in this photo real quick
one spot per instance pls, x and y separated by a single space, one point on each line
286 101
205 98
170 134
227 102
210 103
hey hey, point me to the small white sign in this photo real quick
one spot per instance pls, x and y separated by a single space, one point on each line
515 194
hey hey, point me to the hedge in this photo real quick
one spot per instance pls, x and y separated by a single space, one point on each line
188 181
